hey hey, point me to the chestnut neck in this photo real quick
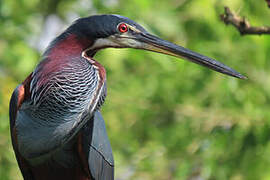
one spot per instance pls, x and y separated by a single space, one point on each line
67 45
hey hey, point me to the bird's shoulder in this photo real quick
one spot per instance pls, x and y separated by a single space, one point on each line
20 94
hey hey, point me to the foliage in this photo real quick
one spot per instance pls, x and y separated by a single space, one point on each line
166 118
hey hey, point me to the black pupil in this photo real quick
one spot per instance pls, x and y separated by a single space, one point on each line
123 27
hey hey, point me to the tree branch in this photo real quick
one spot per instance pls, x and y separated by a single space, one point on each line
243 26
268 3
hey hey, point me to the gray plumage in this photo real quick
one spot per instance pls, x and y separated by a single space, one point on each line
100 157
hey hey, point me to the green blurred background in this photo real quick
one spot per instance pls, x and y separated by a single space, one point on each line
166 118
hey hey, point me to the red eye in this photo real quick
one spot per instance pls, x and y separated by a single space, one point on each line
123 28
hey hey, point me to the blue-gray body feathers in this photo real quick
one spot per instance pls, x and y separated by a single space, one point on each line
100 156
67 103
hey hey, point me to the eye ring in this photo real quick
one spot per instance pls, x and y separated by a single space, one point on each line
122 27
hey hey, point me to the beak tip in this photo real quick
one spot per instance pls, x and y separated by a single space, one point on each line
240 76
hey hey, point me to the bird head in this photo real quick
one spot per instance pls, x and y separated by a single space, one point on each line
120 32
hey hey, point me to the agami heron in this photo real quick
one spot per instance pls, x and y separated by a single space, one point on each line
56 128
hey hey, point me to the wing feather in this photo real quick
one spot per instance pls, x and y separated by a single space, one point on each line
97 145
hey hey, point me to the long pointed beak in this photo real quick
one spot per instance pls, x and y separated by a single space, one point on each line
155 44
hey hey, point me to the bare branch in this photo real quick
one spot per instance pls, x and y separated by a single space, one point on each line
268 3
243 26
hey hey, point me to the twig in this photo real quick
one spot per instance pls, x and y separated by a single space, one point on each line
243 26
268 3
